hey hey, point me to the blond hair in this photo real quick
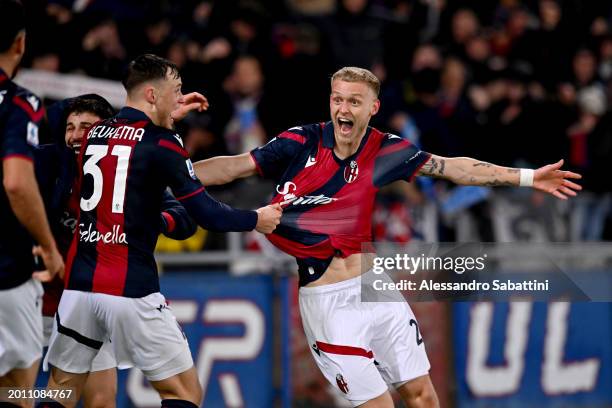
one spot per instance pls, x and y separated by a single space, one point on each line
356 74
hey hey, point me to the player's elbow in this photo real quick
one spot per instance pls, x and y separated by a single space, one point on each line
13 186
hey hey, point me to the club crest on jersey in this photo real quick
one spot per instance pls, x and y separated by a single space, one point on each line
342 384
351 171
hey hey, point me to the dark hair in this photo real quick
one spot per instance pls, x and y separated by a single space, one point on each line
147 67
12 21
90 103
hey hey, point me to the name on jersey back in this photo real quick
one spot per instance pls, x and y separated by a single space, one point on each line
120 132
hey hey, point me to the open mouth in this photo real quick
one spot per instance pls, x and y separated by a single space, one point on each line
345 125
76 147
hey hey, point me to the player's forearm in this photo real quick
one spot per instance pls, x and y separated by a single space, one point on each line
216 216
468 171
224 169
28 207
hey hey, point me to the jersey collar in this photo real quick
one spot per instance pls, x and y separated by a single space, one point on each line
329 141
132 114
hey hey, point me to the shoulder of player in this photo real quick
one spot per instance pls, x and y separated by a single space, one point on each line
27 102
301 134
169 140
389 142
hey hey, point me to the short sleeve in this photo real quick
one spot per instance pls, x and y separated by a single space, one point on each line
273 158
398 159
23 124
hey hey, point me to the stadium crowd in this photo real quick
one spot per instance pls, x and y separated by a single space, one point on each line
518 83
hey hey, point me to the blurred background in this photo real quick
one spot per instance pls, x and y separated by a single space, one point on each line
517 83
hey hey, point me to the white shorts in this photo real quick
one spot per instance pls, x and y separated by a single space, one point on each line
104 360
142 332
21 329
361 347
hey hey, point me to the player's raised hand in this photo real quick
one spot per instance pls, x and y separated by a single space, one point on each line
189 102
552 180
53 262
268 218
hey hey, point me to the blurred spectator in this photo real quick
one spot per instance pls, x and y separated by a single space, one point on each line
355 35
512 81
244 131
591 152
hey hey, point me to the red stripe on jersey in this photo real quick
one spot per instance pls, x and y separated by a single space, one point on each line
344 350
293 136
416 171
25 105
170 223
112 261
3 78
171 146
257 166
394 148
199 190
17 156
322 250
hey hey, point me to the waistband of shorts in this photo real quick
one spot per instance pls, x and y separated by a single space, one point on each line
345 285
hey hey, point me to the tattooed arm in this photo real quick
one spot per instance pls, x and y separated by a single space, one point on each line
467 171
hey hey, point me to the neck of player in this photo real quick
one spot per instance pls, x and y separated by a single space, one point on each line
8 65
345 148
148 109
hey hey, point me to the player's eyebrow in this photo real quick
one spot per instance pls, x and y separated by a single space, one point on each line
352 95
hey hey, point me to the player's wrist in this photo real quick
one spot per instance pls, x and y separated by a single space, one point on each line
526 177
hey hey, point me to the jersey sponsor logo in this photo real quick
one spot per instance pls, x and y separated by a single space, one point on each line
351 171
93 236
342 384
190 169
34 102
311 161
32 134
2 94
68 221
121 132
291 199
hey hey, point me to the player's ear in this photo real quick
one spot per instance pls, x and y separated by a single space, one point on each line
20 43
375 107
149 94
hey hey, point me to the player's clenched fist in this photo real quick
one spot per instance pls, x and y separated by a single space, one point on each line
268 218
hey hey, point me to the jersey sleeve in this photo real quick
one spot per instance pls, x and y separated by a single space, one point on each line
23 123
177 170
175 222
398 159
273 158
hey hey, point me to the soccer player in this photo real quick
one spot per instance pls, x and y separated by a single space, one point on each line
22 215
112 287
328 175
56 171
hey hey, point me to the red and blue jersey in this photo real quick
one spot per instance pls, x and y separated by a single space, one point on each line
22 117
327 201
124 166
